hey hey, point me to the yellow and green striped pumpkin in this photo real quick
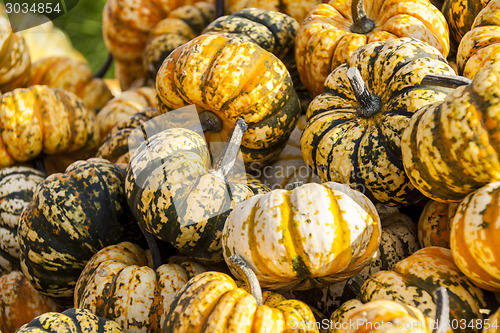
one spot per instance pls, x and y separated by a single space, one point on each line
70 321
118 283
259 89
297 9
329 35
311 236
474 237
434 224
71 217
353 141
414 280
460 15
451 148
17 186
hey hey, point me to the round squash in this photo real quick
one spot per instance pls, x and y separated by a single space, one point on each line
259 90
479 47
20 302
415 279
179 198
451 148
212 302
473 237
72 216
42 119
332 32
115 147
434 224
297 9
460 15
123 107
17 185
72 75
307 237
119 284
70 321
15 59
353 132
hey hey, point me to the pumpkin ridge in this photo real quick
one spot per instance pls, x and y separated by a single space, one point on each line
8 257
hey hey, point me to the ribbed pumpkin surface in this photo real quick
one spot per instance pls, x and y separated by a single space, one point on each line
297 9
212 302
70 321
17 185
460 15
325 41
72 216
259 90
118 284
71 75
414 280
177 199
310 236
434 224
345 146
451 148
479 47
41 119
475 235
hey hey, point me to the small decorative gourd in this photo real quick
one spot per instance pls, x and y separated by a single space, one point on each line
311 236
434 224
297 9
460 15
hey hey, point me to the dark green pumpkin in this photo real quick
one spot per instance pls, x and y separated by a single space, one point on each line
460 15
70 321
72 216
17 185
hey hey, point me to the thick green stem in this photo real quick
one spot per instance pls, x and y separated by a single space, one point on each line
154 248
361 23
447 81
210 122
224 165
219 8
245 272
103 70
368 104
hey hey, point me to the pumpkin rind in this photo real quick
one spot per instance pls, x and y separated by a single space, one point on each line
311 236
297 9
72 216
434 224
342 145
460 15
259 90
473 237
325 41
451 148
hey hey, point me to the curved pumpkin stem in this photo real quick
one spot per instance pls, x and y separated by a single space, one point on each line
447 81
369 104
238 264
224 165
442 310
362 24
153 247
104 68
293 185
39 164
219 8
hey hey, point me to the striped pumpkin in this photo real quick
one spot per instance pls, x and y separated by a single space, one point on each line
460 15
119 284
212 302
259 90
14 57
42 119
434 224
17 185
72 216
126 25
307 237
451 148
289 168
414 280
20 302
179 198
70 321
355 140
115 147
179 27
329 35
72 75
123 107
473 238
479 47
297 9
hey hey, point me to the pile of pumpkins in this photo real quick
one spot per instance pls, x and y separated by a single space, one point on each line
264 166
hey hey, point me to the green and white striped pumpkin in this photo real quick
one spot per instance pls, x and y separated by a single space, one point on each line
17 185
355 140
